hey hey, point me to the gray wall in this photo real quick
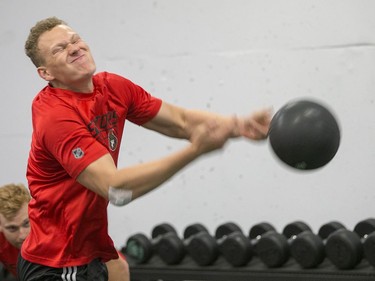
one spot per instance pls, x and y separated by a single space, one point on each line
229 56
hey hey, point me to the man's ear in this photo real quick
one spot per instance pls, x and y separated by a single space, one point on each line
44 73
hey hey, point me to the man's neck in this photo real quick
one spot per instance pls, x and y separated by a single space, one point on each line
83 87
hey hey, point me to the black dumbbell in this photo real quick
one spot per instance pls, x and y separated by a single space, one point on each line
308 249
273 248
236 248
140 248
230 242
172 249
205 249
233 245
369 248
344 248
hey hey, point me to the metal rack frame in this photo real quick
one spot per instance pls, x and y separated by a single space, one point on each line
155 269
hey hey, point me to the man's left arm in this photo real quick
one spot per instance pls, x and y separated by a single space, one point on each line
179 122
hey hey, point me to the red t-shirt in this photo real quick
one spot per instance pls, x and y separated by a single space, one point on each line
70 131
8 254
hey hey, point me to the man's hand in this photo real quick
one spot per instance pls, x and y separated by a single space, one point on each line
211 135
254 126
214 133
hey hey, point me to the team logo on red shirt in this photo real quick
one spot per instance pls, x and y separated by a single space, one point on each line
112 140
78 153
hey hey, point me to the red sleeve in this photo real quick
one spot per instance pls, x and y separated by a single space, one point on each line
66 137
144 106
141 105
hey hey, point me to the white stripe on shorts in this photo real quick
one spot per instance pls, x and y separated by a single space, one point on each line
69 274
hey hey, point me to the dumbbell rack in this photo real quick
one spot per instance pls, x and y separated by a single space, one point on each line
155 269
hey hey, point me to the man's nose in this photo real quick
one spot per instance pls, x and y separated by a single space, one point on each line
73 48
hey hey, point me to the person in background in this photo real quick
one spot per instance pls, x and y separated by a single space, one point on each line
78 120
14 223
15 226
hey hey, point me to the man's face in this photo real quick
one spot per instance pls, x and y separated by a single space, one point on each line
16 229
68 60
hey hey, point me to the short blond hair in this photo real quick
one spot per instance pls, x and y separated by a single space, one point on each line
31 45
12 198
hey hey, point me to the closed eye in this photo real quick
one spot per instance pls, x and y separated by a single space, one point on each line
75 39
59 48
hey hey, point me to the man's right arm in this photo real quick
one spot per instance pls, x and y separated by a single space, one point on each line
139 179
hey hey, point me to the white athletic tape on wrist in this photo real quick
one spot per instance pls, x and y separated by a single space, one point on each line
119 196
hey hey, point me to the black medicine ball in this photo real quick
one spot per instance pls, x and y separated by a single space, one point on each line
304 134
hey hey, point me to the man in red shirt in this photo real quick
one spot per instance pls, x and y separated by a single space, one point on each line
15 226
14 223
78 121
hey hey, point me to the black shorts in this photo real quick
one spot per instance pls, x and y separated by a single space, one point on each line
94 271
